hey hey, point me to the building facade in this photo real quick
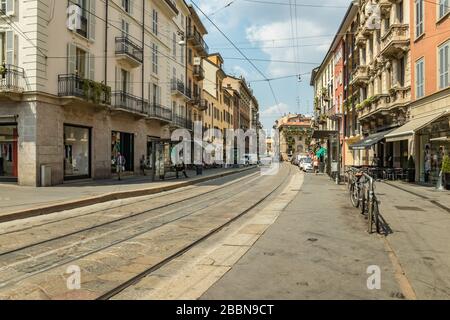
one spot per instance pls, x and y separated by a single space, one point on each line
395 85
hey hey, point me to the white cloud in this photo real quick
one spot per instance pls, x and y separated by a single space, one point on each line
282 30
276 110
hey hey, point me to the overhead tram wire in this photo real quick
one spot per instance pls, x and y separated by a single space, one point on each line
243 54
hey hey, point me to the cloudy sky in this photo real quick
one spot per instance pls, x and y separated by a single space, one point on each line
264 30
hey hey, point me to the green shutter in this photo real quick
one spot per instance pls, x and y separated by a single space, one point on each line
91 66
71 58
10 47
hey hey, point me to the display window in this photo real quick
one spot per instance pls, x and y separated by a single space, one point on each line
8 152
122 143
77 158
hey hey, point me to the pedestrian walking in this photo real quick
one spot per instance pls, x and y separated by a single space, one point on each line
142 165
120 165
316 165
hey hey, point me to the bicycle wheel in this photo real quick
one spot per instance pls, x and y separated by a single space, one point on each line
354 196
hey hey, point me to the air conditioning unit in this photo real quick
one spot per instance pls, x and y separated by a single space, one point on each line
197 61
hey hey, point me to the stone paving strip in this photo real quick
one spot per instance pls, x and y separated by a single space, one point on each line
192 274
109 256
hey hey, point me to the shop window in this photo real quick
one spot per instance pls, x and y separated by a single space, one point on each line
76 152
8 152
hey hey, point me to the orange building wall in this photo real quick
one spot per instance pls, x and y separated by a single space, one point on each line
427 45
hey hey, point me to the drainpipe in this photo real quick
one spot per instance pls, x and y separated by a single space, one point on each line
143 45
106 41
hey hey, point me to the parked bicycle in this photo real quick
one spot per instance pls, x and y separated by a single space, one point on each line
361 188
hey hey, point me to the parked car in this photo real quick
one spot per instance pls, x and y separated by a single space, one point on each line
306 165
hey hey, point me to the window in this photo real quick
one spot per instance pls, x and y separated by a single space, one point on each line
400 12
419 18
444 8
2 47
155 58
125 29
190 56
420 75
126 5
81 62
7 7
444 65
155 22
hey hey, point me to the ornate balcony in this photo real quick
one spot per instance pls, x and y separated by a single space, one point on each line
361 39
123 101
360 76
400 96
129 52
12 81
71 85
196 39
179 121
396 40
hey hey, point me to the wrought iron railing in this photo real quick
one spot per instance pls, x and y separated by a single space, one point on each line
123 100
129 48
71 85
12 78
159 112
198 39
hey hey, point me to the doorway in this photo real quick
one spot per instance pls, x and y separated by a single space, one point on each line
123 143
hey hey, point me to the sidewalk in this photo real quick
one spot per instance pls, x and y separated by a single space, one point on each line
17 202
421 235
441 198
317 249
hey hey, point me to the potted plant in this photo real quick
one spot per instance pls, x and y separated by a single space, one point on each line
3 70
446 171
411 170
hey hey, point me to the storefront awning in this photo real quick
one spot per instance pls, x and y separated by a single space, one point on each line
369 141
323 134
407 130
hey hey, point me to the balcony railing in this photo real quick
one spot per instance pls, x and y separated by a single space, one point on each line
159 112
199 73
129 102
71 85
360 76
12 79
126 48
197 40
395 40
178 88
179 121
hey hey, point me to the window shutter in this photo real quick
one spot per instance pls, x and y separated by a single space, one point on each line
131 4
10 47
92 19
91 66
130 84
71 58
119 79
10 7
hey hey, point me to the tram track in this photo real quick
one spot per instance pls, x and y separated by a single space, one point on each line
65 256
44 266
147 198
125 285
